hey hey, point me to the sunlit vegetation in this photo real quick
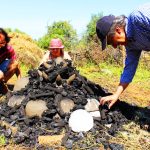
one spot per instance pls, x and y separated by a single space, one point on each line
2 140
28 53
62 30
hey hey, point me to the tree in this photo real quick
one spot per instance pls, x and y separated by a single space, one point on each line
91 27
62 30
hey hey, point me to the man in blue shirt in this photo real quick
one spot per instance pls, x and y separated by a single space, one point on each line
134 33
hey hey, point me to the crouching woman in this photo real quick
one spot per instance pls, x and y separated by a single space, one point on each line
8 63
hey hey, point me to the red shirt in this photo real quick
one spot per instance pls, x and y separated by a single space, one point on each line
7 53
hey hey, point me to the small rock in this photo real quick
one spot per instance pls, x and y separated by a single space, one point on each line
15 100
21 83
114 146
95 114
69 144
35 108
66 105
92 105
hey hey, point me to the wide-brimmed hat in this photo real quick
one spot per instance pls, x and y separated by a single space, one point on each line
102 28
56 43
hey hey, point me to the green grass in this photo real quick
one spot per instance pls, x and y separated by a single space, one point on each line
142 75
109 71
93 71
24 70
2 140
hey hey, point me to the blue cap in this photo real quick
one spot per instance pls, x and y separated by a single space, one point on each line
102 28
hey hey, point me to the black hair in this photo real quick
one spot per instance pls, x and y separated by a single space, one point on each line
7 38
118 21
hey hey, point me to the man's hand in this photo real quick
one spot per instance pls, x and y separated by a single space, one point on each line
113 98
109 99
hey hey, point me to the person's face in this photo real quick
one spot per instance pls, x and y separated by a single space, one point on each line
119 38
56 52
2 40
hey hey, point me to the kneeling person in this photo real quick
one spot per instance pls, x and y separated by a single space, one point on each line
8 64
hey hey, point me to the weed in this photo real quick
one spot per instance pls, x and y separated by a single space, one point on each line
2 140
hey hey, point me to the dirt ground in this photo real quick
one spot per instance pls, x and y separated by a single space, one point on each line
137 92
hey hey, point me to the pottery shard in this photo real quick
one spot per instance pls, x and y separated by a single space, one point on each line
21 83
92 105
35 108
15 100
66 105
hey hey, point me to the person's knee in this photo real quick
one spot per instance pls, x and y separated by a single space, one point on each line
13 65
11 70
1 75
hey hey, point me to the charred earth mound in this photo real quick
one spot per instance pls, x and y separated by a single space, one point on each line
44 106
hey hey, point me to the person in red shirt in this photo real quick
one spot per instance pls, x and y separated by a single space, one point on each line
8 63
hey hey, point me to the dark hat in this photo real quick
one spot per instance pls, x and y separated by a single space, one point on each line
102 28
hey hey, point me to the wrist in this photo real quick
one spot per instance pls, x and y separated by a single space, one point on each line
116 95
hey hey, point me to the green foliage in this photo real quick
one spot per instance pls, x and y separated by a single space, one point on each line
89 46
91 27
62 30
92 71
44 41
8 30
142 74
18 31
2 140
24 69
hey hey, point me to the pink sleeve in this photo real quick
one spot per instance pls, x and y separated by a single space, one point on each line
12 54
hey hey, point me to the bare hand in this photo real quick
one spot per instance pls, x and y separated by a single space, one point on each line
109 99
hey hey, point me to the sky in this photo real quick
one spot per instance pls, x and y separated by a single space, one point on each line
33 16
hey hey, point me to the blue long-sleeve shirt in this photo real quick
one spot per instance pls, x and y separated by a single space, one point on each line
138 35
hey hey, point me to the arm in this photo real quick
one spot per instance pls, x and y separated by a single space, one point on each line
131 63
13 68
113 98
18 71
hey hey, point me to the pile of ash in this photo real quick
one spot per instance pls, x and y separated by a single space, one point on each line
44 106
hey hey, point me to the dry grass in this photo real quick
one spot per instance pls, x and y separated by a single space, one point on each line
28 52
14 147
133 138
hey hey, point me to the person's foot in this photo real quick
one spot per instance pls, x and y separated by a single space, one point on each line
3 88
